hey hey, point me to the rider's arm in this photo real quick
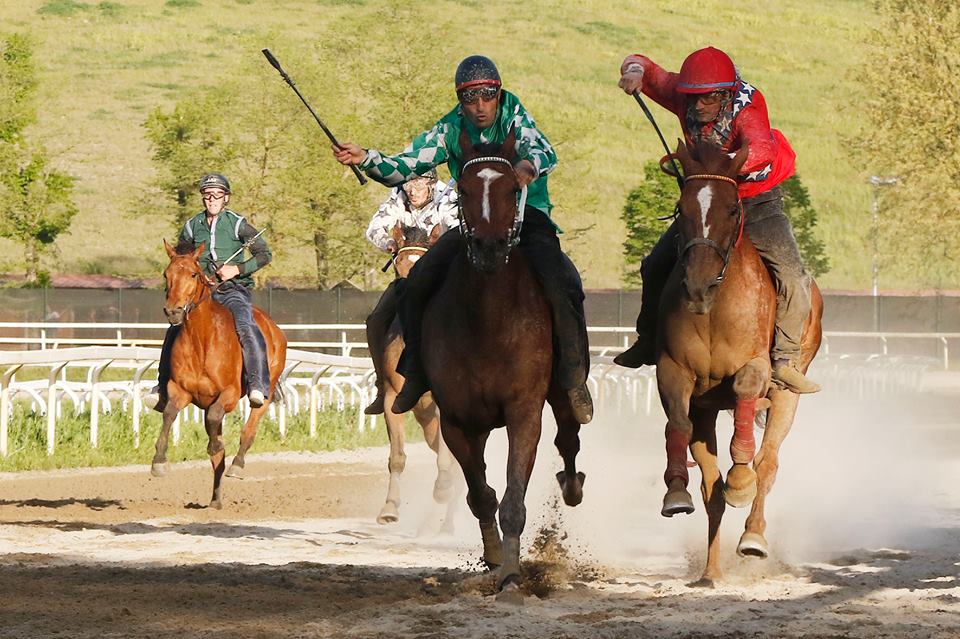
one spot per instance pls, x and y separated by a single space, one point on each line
425 152
753 128
260 254
533 145
659 84
384 220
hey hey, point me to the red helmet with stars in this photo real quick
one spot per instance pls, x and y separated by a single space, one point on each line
707 70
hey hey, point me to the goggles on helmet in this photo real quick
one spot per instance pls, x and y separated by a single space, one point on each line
471 95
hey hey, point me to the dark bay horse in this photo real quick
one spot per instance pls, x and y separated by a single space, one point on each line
206 364
715 331
412 243
489 357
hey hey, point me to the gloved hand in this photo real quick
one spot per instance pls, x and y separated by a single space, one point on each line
631 76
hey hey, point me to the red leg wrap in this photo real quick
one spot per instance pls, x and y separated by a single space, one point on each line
743 447
677 443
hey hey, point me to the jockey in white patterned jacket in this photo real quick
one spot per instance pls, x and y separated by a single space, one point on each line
419 203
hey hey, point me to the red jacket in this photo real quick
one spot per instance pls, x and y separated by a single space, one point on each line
771 160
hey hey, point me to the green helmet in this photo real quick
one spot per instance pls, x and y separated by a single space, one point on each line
214 180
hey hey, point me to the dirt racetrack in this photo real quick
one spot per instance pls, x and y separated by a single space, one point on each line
864 527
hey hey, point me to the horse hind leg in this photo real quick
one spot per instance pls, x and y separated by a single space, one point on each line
213 421
247 436
567 442
703 447
749 382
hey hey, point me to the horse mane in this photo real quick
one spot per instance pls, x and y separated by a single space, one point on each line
712 157
415 236
185 247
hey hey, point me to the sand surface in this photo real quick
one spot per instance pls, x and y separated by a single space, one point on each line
863 524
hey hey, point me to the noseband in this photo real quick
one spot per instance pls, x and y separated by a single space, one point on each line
725 255
513 238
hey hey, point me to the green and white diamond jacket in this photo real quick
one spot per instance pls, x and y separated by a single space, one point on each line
441 144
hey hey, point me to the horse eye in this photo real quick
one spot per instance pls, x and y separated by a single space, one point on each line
193 275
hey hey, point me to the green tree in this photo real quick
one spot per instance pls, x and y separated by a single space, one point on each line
656 197
36 203
911 123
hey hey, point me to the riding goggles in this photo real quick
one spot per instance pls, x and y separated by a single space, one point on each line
471 95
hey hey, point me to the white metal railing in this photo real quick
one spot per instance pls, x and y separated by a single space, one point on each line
49 335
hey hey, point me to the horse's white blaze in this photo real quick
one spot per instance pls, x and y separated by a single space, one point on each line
488 176
413 258
705 197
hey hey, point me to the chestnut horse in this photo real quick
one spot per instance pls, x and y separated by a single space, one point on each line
412 243
206 364
489 356
716 326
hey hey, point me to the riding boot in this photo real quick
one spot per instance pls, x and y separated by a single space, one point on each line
415 380
790 376
654 272
582 403
156 398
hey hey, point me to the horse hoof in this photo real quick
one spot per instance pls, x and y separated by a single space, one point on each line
388 514
740 487
704 582
752 545
510 592
216 504
159 469
677 502
235 471
571 487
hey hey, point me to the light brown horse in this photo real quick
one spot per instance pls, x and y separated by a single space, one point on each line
206 364
412 243
489 357
716 325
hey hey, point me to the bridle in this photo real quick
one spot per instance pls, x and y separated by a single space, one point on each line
513 238
405 249
196 299
725 255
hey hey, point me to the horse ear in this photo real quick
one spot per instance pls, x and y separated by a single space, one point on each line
509 148
466 147
169 249
740 159
197 252
397 234
683 154
434 234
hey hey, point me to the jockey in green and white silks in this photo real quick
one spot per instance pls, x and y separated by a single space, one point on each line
486 113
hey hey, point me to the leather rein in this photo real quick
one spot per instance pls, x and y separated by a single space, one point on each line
727 254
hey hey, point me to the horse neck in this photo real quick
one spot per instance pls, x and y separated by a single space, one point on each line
485 294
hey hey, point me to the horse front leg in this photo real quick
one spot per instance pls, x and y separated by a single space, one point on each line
703 446
676 386
523 435
213 421
481 498
177 398
567 442
779 420
748 383
397 461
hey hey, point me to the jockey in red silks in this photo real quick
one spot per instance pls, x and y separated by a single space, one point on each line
715 104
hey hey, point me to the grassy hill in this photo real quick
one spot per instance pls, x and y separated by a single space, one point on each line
103 66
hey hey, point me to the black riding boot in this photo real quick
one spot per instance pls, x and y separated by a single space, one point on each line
654 271
157 397
378 324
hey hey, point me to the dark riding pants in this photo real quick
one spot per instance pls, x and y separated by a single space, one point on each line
769 229
555 272
378 324
238 300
